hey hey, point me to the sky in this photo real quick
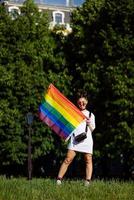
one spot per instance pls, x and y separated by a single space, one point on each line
63 2
55 2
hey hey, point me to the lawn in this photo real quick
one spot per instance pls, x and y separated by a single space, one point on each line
46 189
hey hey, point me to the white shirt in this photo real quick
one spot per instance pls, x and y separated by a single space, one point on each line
86 146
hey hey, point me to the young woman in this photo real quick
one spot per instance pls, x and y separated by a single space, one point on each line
85 146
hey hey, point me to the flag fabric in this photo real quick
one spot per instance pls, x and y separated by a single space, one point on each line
60 114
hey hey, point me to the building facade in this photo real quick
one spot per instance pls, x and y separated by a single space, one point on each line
59 11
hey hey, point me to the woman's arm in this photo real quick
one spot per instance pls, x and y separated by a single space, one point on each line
91 122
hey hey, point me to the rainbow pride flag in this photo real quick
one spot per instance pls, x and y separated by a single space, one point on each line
60 114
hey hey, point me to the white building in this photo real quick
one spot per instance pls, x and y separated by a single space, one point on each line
59 10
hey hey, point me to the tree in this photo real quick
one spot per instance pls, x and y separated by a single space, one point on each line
101 60
29 62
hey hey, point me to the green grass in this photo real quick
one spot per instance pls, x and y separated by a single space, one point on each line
46 189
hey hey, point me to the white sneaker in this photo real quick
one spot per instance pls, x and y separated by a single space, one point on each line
87 183
58 182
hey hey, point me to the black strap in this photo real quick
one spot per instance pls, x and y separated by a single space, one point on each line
86 124
86 128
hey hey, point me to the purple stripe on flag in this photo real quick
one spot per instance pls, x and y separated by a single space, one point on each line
53 126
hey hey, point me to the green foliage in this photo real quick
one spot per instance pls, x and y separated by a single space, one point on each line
96 57
29 62
101 60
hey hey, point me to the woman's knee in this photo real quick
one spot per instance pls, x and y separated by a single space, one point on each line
70 156
68 160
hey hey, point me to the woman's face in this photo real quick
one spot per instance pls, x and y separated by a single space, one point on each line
82 103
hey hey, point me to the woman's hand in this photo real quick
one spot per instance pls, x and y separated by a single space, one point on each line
88 121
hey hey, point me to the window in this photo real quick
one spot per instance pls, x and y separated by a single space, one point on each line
14 11
58 17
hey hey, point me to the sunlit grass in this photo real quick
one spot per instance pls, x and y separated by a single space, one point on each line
46 189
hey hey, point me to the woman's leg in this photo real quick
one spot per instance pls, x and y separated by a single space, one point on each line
69 158
89 165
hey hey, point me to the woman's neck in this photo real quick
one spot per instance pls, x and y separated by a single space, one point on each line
83 109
